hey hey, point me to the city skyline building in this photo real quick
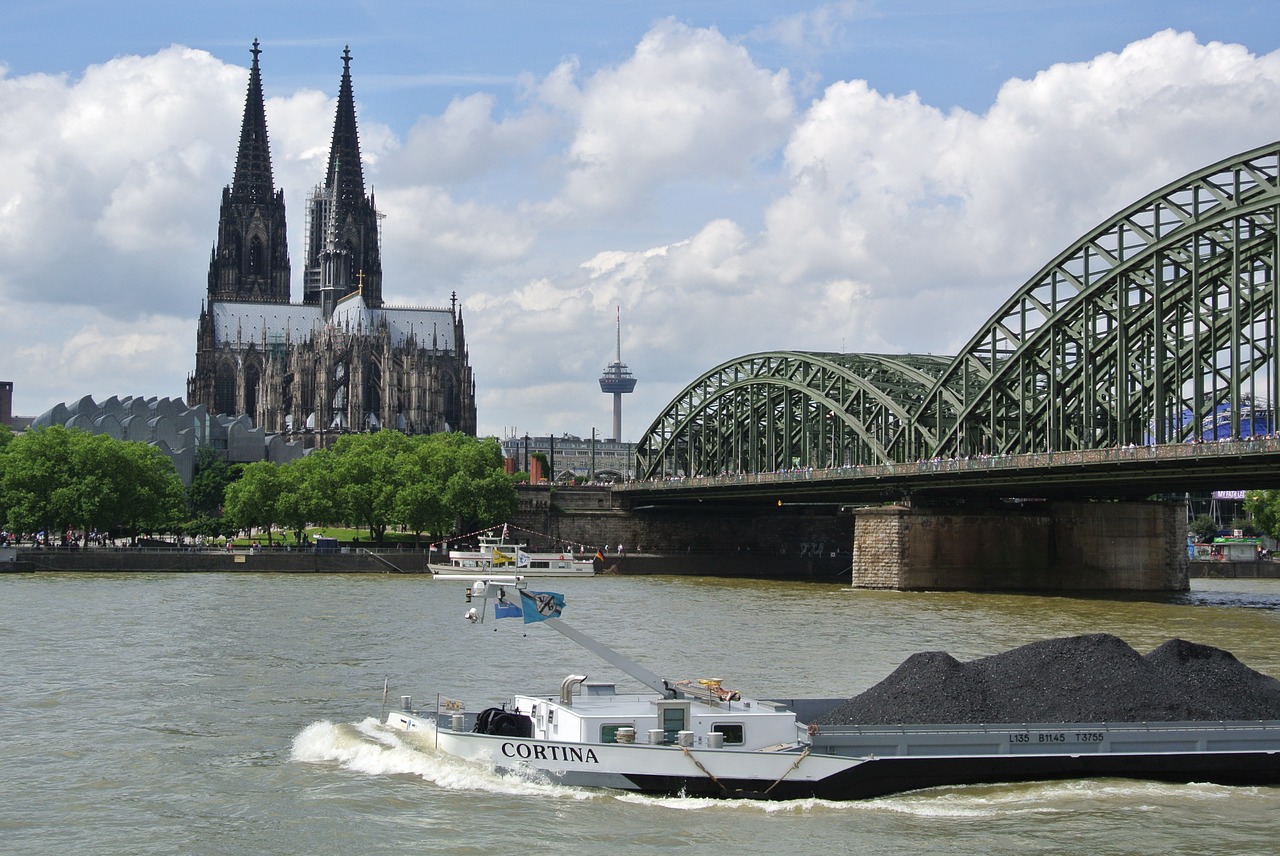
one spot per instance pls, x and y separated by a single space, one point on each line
6 402
570 456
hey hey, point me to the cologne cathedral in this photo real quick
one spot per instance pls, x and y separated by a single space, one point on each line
339 361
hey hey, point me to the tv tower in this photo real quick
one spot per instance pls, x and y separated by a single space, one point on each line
617 379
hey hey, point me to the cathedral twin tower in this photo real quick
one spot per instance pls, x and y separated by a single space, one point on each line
339 361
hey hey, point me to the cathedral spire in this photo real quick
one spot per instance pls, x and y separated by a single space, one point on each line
250 259
343 247
344 155
253 182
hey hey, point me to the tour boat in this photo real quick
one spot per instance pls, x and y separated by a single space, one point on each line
699 738
496 554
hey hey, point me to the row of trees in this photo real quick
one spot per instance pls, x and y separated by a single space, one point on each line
433 484
54 479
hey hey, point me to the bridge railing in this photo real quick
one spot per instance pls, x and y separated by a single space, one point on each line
1048 459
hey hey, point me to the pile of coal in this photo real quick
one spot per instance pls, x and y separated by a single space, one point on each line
1093 678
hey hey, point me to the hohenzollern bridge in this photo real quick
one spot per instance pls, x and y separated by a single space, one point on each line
1141 360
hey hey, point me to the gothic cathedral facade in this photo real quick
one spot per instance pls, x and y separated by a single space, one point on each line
339 361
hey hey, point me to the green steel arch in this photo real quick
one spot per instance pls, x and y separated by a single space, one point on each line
1141 329
1162 317
785 409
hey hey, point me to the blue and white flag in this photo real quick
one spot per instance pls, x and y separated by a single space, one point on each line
541 605
504 608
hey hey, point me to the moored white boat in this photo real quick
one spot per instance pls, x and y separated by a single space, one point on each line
697 738
495 554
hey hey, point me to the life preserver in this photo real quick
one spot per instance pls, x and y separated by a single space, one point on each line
562 555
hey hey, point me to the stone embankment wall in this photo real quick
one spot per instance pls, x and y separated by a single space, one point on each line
267 561
745 543
1065 546
1234 570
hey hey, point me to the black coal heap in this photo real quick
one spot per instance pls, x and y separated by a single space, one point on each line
1092 678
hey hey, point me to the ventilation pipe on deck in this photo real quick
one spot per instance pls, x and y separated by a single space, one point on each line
567 686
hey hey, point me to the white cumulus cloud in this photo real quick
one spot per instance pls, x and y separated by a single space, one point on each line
721 205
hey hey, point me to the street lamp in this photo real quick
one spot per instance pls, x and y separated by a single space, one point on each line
591 474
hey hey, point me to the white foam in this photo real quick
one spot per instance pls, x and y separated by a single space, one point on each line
1044 798
373 749
978 801
800 806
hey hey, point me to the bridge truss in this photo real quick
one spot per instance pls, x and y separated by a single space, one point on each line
1162 320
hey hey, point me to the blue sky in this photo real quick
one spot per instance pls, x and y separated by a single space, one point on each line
738 177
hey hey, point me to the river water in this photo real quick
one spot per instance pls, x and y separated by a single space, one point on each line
237 714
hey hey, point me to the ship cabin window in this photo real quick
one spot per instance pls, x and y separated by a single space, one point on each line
734 732
609 733
672 723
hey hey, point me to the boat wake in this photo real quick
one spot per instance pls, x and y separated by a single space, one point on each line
984 801
371 748
1045 798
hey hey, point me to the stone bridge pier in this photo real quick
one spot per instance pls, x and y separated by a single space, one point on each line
1060 546
1037 546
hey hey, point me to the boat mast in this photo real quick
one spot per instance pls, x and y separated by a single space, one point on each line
493 587
612 657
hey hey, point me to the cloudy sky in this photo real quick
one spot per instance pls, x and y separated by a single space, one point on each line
873 175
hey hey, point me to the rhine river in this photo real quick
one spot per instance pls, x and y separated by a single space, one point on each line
237 714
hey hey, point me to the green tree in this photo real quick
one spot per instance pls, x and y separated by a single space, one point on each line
420 503
367 480
306 493
1246 526
149 494
6 435
54 479
251 499
209 482
477 492
1204 528
1264 507
36 481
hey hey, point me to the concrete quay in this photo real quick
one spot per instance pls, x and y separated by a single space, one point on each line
1233 570
112 560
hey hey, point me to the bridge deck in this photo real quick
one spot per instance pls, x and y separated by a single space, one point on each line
1131 472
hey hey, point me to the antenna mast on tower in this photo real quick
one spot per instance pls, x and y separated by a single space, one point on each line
617 379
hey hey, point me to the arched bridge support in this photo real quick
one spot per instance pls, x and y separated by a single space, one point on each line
1040 546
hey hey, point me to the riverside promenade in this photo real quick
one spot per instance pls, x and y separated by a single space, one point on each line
348 560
